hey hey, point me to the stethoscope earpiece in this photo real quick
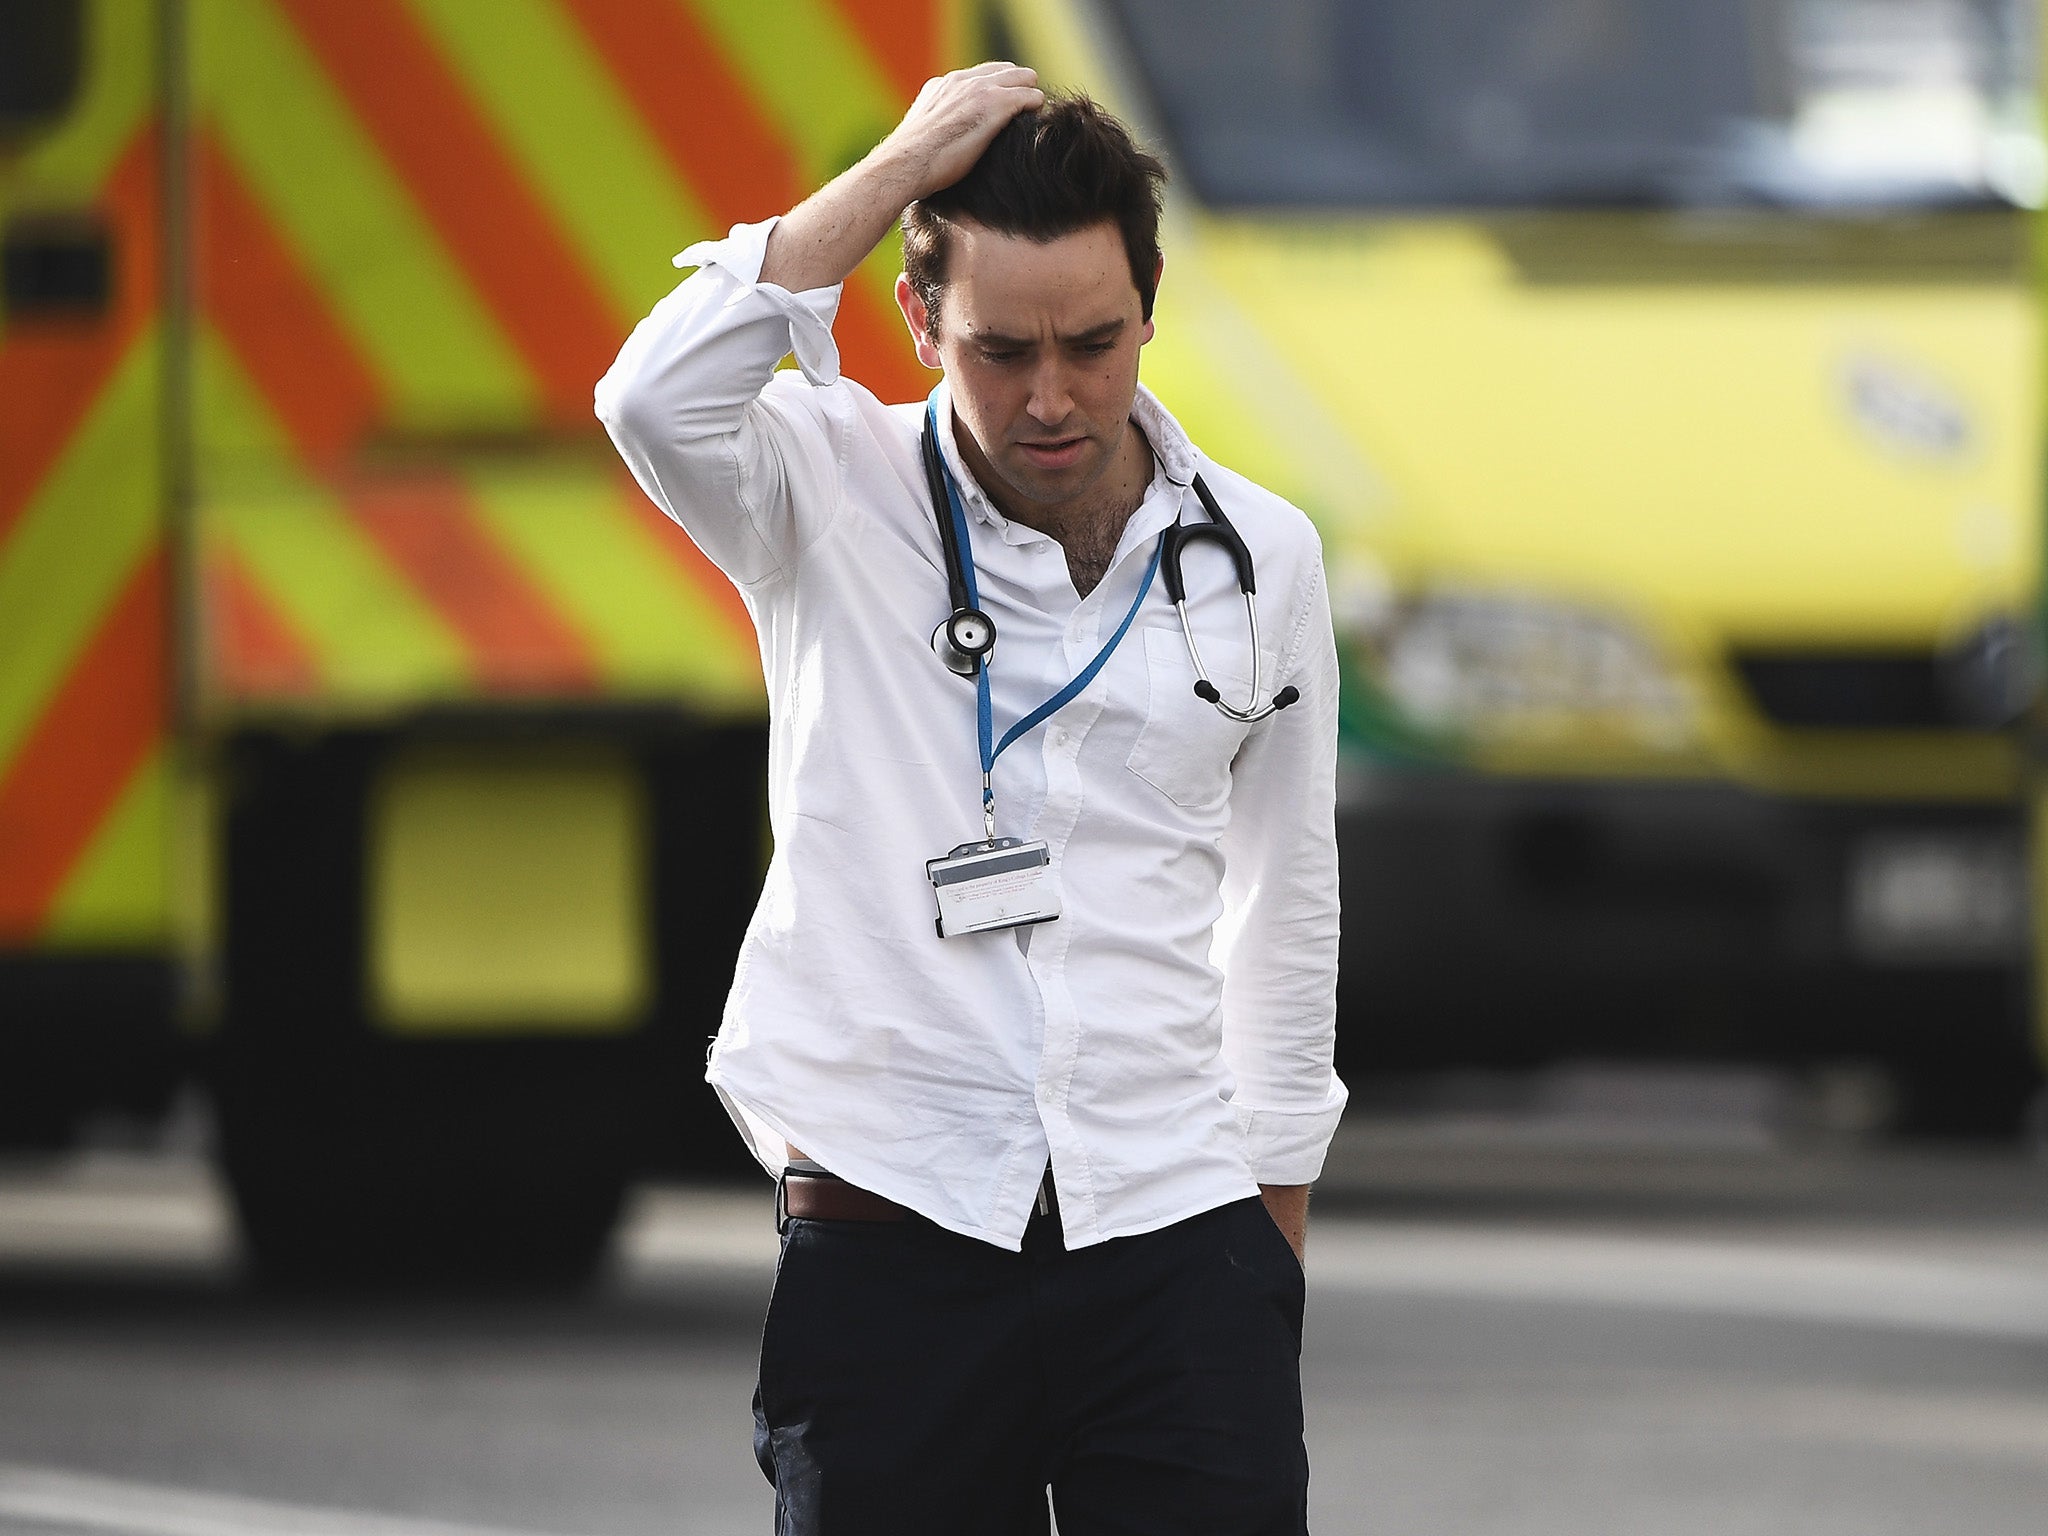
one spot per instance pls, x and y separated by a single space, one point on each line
1207 692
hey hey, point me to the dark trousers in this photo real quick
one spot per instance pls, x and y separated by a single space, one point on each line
919 1383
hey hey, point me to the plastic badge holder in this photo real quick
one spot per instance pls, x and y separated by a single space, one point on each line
1004 883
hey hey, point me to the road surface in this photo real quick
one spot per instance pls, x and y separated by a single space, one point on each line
1512 1329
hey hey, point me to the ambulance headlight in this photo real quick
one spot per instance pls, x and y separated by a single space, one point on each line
1518 667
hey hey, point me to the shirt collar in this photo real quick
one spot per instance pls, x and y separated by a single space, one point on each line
1173 453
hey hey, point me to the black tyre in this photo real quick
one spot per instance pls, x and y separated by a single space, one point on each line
1984 1097
424 1172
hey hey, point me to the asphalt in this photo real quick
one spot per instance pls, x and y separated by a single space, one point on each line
1628 1309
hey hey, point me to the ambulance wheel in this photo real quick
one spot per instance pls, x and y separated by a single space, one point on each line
501 1184
1975 1098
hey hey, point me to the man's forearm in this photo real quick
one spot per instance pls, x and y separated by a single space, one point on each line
820 241
1288 1206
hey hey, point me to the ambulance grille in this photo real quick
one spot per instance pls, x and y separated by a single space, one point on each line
1865 691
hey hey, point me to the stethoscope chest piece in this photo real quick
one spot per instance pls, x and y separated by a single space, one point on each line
965 640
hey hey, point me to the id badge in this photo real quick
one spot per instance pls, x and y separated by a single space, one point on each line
1003 883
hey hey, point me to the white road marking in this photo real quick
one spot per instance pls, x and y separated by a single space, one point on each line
106 1209
1994 1289
108 1504
1955 1280
1882 1280
669 1229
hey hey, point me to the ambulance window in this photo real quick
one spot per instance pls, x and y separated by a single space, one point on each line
1601 103
41 50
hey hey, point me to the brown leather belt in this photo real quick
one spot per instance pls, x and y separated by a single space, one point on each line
827 1199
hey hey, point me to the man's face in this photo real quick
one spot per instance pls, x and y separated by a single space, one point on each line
1039 341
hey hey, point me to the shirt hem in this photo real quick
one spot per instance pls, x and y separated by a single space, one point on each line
848 1165
856 1169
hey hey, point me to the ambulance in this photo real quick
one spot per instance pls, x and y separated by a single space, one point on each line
1663 378
371 752
374 757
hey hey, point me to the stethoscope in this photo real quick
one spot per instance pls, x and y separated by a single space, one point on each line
966 638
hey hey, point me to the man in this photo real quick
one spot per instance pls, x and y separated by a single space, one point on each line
1022 1167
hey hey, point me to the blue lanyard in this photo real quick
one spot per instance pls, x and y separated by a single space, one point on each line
984 715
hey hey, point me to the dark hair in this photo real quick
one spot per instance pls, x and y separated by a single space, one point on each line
1055 171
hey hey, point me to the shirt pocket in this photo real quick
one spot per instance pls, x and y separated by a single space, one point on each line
1185 746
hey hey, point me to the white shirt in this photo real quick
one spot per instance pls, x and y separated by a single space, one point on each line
1167 1041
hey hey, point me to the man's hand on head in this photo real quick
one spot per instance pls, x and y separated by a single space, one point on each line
954 119
821 240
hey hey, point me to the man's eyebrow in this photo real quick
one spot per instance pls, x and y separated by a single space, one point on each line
1107 331
997 341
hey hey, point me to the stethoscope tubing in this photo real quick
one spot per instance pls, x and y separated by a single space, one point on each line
1251 714
1173 540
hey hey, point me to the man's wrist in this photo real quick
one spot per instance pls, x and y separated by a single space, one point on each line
901 173
1287 1204
824 238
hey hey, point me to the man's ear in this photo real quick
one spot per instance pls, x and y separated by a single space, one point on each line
1158 271
918 319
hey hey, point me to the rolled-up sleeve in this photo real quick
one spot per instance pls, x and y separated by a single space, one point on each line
1277 940
740 454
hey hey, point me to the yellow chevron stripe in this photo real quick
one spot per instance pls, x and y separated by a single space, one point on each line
373 636
116 95
118 893
1053 39
811 73
820 86
552 103
653 631
443 361
963 36
88 523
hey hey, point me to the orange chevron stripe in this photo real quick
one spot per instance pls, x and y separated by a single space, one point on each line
876 347
719 142
709 127
903 36
691 561
516 640
254 649
102 724
437 141
287 337
52 371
